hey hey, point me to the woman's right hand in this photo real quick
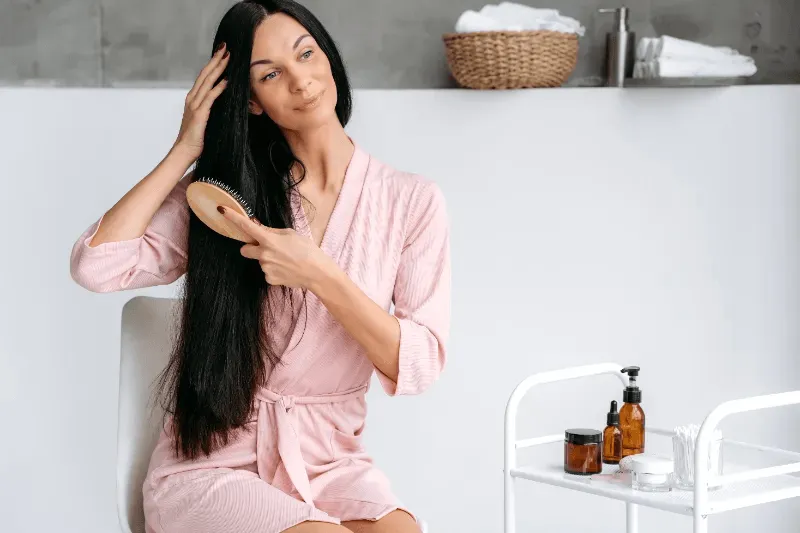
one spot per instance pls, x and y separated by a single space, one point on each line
198 105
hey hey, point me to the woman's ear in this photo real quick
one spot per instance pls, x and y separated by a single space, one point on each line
254 108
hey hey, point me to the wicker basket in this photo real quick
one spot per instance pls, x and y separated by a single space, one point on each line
511 59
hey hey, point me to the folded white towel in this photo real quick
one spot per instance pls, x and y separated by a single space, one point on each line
670 47
677 68
510 16
533 18
667 47
510 12
643 49
470 21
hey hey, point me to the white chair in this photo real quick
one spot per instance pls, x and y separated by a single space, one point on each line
146 341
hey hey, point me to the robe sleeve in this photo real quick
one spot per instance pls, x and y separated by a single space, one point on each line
158 257
422 294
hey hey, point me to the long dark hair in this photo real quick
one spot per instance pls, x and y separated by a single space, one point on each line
223 350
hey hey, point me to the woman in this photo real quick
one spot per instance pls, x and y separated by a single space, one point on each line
278 340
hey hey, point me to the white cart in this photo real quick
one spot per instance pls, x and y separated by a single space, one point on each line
743 488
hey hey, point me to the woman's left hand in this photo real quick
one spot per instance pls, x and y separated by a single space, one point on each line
286 257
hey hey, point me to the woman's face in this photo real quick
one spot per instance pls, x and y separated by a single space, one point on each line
290 76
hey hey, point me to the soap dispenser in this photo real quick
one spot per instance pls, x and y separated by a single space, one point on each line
631 416
620 49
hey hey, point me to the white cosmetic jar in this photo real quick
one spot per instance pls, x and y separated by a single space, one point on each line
650 474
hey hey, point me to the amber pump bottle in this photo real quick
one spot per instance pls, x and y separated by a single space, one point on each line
631 416
612 437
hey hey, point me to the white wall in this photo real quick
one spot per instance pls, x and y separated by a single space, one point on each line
649 227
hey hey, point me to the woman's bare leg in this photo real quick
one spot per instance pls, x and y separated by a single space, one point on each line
395 522
317 527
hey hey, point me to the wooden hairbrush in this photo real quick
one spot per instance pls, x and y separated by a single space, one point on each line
206 194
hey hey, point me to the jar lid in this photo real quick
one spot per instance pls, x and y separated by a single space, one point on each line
583 436
648 464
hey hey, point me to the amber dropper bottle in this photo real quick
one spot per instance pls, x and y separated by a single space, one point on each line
631 416
612 437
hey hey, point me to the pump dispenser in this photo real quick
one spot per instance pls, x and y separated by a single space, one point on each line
631 416
620 48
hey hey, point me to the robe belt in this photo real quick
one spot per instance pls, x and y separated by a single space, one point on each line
287 434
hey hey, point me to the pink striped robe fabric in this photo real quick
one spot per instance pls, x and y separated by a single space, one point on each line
302 457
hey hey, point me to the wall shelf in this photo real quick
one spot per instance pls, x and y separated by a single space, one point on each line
684 82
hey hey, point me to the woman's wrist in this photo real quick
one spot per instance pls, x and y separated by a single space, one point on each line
181 156
322 274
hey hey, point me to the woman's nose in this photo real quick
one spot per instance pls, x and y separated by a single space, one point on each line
300 83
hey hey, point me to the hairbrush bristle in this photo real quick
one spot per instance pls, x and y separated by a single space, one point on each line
230 190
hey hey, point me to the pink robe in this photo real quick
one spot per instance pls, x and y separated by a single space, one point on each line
303 458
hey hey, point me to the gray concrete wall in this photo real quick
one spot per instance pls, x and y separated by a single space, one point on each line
386 43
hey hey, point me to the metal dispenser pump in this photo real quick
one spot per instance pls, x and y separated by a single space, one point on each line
620 46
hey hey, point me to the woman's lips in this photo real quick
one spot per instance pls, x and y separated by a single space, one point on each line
312 102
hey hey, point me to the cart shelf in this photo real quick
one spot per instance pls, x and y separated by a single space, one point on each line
740 486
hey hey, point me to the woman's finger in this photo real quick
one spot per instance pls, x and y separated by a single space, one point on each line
248 226
201 77
208 83
251 251
213 94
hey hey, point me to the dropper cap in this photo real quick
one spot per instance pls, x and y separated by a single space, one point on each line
612 419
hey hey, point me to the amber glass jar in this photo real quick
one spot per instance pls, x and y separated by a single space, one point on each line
583 451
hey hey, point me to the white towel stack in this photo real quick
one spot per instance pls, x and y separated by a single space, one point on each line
669 57
510 16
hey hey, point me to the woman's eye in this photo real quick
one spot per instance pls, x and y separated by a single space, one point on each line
270 76
307 54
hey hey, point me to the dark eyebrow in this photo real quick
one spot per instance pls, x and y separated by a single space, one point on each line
266 61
